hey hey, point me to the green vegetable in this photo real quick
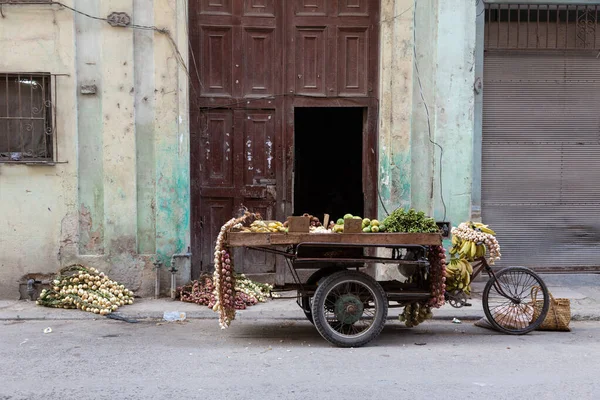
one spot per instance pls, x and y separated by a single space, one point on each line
348 216
340 221
409 221
366 222
375 229
367 229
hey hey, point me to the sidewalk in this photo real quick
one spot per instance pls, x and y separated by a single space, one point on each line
583 290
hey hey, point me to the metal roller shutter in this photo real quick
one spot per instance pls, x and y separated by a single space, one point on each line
541 157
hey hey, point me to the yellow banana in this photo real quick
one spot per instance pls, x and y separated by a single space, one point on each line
455 240
469 268
484 228
473 249
465 247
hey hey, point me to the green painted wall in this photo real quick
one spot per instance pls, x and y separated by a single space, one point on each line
413 171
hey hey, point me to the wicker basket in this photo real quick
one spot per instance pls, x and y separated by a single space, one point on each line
559 313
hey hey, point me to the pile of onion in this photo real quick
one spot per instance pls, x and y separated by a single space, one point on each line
86 289
247 292
223 277
414 314
437 275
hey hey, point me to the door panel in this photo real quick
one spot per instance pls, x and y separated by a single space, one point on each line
216 65
311 7
311 44
259 8
213 213
353 61
216 147
259 48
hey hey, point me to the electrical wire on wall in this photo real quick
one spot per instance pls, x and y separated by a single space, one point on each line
416 63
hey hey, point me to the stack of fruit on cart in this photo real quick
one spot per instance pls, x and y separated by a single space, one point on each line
470 242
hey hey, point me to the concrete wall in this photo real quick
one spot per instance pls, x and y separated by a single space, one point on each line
118 196
430 100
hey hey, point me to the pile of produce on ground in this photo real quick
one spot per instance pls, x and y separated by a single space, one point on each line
470 242
246 292
86 289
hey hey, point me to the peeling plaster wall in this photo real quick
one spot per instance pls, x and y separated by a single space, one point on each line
119 198
409 172
395 103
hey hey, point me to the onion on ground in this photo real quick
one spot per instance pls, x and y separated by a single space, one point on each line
86 289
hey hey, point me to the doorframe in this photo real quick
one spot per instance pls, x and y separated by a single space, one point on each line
370 155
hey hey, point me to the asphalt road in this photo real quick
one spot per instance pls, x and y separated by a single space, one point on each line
266 359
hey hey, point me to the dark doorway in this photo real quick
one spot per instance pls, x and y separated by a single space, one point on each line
328 161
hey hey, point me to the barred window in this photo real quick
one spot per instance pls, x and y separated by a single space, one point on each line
26 117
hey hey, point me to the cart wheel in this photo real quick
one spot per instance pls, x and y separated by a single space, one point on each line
516 301
349 309
313 280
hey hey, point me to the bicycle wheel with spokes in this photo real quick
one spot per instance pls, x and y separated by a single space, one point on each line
349 309
516 300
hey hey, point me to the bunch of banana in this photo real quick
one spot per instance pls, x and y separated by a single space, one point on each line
471 240
467 249
264 227
458 275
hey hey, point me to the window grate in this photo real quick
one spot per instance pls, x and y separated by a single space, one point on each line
562 27
27 117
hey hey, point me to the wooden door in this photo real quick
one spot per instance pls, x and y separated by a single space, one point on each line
236 145
253 62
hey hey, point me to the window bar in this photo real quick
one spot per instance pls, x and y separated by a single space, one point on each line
586 13
498 23
32 120
595 25
53 138
7 117
557 24
21 117
528 19
547 25
576 24
567 30
508 32
44 115
518 23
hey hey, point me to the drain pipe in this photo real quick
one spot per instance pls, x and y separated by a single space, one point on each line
173 271
157 265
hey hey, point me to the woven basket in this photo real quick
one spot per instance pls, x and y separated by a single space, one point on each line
559 313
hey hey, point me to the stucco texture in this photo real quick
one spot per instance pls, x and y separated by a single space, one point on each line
117 197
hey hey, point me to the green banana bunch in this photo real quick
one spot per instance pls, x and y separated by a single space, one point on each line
458 275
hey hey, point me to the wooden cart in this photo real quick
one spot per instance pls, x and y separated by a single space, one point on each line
347 306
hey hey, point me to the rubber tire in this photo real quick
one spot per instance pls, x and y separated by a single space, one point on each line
312 280
531 327
333 336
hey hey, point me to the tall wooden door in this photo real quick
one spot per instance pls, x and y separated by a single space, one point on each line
236 148
253 62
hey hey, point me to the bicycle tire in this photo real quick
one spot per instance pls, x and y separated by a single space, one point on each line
501 278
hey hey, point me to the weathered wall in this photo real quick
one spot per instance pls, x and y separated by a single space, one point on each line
430 100
395 103
118 198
